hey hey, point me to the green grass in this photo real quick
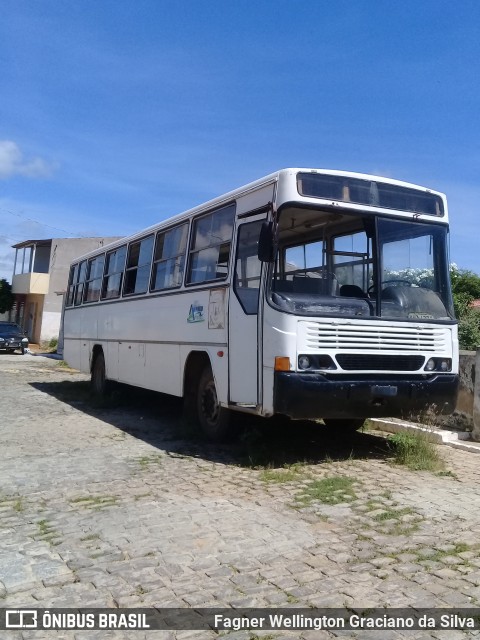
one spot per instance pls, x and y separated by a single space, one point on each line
47 532
416 452
329 491
95 502
288 473
146 461
459 547
392 514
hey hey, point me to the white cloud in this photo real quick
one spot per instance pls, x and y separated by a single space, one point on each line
13 163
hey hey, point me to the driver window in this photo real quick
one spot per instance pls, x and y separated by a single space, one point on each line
409 261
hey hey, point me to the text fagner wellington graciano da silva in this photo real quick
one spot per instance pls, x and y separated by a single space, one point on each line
353 621
236 620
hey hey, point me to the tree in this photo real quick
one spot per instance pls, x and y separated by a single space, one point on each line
465 289
6 296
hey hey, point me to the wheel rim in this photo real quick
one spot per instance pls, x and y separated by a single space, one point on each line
209 404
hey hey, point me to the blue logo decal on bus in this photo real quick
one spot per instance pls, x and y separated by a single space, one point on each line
196 313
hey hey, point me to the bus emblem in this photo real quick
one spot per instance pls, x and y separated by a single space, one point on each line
196 313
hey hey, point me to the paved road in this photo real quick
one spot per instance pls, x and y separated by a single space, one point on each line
121 505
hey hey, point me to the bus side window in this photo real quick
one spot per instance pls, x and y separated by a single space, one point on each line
248 267
78 295
93 282
137 272
71 284
169 258
210 246
113 277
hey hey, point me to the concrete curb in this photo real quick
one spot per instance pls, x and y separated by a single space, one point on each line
456 439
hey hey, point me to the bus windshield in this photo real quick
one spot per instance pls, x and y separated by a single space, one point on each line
352 265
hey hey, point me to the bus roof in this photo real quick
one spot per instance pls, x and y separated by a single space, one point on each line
268 179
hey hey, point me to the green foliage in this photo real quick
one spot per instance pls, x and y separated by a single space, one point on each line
6 296
465 282
465 288
469 330
415 451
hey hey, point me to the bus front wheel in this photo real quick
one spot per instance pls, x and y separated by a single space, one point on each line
349 425
98 380
213 418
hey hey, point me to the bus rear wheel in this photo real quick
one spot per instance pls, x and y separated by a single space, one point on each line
213 418
98 379
347 425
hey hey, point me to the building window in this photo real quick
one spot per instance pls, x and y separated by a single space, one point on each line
210 246
169 258
113 278
93 284
137 273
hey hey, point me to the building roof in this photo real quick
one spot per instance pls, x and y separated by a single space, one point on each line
45 242
27 243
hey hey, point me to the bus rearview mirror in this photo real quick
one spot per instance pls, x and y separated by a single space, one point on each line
265 242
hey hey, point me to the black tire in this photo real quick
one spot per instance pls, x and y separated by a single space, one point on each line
99 382
345 425
213 418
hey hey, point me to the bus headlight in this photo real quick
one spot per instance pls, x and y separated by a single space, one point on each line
314 362
438 364
303 362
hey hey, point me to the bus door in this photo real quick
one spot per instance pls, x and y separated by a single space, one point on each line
244 350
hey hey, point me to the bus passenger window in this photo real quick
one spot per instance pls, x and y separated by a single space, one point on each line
82 270
169 259
137 273
71 285
93 282
210 248
112 280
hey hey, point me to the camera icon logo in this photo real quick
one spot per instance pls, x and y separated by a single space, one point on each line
21 619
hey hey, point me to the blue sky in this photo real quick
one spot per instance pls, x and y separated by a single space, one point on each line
117 114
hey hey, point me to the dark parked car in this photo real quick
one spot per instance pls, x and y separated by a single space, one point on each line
12 337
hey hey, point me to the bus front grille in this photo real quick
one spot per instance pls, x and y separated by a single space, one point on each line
372 337
371 362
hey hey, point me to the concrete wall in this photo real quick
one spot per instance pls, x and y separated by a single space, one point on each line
463 416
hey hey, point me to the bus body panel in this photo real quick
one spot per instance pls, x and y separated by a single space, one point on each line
146 341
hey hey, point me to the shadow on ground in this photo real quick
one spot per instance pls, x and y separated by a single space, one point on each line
157 419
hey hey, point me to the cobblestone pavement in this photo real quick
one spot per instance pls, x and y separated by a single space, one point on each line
119 506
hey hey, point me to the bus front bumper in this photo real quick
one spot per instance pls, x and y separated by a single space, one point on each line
308 396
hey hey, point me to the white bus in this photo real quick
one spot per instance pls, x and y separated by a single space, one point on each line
310 293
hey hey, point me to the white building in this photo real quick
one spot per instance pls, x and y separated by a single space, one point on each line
40 278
